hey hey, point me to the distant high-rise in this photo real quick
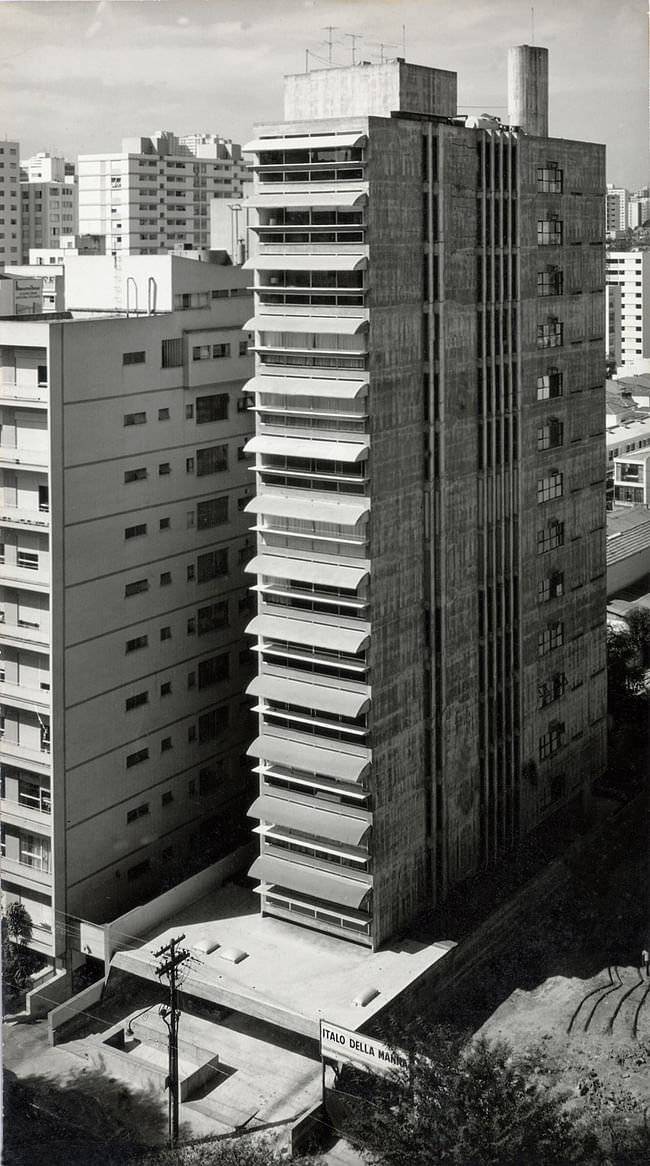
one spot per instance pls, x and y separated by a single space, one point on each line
628 280
430 508
154 195
10 229
48 195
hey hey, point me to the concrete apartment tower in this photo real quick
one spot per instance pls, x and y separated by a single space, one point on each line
123 599
48 192
430 501
10 212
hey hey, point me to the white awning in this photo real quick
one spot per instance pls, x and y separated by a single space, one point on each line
341 325
316 635
302 386
309 880
343 261
336 451
309 570
347 513
310 819
271 197
282 751
320 697
317 142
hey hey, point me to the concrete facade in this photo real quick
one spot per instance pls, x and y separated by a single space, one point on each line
10 206
430 494
123 600
48 194
154 195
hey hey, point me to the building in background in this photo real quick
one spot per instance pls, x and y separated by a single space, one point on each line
123 600
430 505
154 195
616 201
628 310
20 295
10 206
48 194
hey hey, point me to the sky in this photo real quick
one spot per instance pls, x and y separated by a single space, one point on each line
76 76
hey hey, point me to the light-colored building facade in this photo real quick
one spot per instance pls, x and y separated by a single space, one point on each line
48 195
628 309
10 206
124 484
154 195
616 201
430 568
631 485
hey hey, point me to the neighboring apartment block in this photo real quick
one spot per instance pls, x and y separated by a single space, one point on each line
10 229
48 204
616 201
628 308
430 505
124 540
154 195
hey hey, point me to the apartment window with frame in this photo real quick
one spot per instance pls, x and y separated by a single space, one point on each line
243 347
551 741
166 688
136 758
549 232
212 617
220 350
163 469
552 587
27 560
135 531
172 353
550 537
136 587
138 475
133 357
212 723
245 402
136 643
163 414
213 512
202 352
550 334
550 385
551 690
214 670
212 408
212 460
550 282
134 702
550 638
135 418
212 565
550 435
549 487
549 179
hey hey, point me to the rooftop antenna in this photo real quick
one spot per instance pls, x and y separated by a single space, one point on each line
532 26
404 41
385 45
330 28
354 37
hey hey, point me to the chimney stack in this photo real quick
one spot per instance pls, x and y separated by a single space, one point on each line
528 89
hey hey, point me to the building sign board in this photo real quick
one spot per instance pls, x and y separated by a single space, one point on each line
342 1044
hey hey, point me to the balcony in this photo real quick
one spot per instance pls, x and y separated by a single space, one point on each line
25 393
24 632
26 577
26 874
21 697
18 517
27 459
24 817
37 760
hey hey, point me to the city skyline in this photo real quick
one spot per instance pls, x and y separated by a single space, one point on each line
220 64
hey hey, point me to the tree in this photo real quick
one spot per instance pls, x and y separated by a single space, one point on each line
17 960
638 619
476 1105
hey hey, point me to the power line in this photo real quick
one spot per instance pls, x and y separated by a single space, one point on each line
177 957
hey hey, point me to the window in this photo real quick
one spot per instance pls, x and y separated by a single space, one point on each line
165 578
550 537
138 642
136 588
214 512
549 232
165 744
213 460
44 499
243 347
550 435
549 179
550 334
134 702
213 723
189 465
167 798
550 638
172 353
551 741
164 524
138 475
190 572
242 456
133 357
166 633
166 688
135 531
163 469
550 385
212 617
242 502
135 418
163 414
212 565
191 680
137 872
551 690
139 812
28 560
245 402
220 350
215 670
549 487
189 412
552 587
550 282
136 758
201 352
214 408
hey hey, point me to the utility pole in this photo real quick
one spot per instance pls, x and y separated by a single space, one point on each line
171 1017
